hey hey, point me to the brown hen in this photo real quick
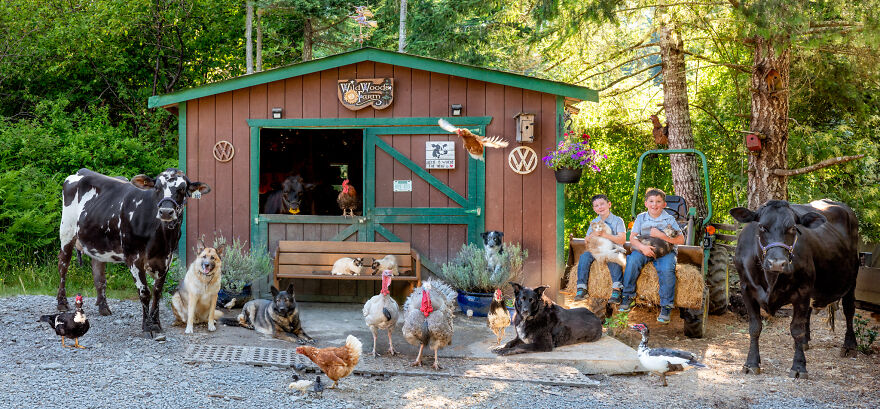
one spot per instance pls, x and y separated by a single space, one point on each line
347 199
473 143
335 362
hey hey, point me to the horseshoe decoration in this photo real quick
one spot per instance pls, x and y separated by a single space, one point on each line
224 151
522 160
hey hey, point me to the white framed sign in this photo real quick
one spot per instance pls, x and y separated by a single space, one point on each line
403 185
439 155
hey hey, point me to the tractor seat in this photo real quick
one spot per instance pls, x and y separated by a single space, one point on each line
677 207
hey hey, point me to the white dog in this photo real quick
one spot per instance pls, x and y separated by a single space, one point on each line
195 300
603 249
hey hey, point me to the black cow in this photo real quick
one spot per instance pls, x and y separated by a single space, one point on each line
135 223
791 254
290 198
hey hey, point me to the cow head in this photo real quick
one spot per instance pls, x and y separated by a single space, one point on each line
292 191
172 187
777 231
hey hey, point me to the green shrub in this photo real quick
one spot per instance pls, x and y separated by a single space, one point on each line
469 271
865 336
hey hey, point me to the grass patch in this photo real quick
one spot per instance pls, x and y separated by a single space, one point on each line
42 278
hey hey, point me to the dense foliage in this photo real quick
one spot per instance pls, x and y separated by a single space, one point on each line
75 77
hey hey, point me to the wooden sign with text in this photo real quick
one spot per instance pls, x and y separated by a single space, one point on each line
361 93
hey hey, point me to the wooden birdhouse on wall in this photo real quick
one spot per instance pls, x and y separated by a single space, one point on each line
753 142
525 127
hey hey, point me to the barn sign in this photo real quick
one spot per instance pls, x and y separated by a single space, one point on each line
359 94
439 155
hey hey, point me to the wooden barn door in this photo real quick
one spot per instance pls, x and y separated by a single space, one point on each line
445 208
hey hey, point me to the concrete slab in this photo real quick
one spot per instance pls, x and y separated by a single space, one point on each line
330 323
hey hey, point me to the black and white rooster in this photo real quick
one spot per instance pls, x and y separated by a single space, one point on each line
663 361
69 324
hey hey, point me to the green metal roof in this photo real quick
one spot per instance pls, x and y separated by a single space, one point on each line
382 56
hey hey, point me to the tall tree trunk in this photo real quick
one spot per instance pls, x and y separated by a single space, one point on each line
686 177
248 38
401 41
307 39
259 66
769 121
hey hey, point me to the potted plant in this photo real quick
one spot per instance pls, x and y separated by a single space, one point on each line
571 157
469 274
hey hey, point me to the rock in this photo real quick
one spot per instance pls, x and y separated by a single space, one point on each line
50 365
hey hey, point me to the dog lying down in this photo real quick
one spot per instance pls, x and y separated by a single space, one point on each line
542 325
278 318
602 249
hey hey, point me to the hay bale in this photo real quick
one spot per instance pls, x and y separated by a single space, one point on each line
688 285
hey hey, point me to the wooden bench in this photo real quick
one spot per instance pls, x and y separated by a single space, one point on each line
314 260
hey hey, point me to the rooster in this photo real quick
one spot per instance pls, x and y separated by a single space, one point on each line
473 144
69 324
382 312
335 362
499 318
347 199
660 132
427 318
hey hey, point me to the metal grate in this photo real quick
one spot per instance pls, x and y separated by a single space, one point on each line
246 355
484 369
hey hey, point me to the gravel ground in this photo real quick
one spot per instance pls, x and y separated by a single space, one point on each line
122 369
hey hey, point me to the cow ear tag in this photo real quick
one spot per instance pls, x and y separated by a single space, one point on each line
196 194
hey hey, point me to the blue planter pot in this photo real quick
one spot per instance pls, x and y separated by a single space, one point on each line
477 303
512 312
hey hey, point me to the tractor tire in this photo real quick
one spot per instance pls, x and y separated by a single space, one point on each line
716 280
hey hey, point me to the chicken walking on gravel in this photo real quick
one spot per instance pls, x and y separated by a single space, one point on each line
381 312
69 324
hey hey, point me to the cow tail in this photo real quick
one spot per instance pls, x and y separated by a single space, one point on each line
79 258
831 310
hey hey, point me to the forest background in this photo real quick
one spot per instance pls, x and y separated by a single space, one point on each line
75 76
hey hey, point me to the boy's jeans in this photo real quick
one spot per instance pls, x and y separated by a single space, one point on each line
665 274
583 271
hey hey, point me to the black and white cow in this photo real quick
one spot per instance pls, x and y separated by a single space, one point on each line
136 223
797 254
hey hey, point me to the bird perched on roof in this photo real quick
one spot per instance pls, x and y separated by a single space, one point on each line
69 324
473 143
663 361
660 132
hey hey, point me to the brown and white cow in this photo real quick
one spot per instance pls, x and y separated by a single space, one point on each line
136 223
803 255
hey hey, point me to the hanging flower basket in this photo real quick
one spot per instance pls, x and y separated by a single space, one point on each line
568 175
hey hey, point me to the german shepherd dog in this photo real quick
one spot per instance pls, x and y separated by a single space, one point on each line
278 318
541 325
195 300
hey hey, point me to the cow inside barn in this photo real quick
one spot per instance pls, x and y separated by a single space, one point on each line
136 223
792 254
291 198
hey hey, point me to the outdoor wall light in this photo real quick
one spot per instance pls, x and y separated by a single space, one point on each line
276 113
455 110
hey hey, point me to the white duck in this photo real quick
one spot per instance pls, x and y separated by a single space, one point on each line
382 312
663 361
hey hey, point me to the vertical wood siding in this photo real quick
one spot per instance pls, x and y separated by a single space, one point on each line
523 207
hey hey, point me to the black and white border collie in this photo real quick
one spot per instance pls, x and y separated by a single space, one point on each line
492 243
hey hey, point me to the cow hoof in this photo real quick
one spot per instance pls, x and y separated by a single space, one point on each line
104 310
805 346
63 307
847 352
754 370
798 374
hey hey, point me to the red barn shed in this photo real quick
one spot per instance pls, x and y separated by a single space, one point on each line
371 116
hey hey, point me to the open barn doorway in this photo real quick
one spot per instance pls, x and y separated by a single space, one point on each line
324 158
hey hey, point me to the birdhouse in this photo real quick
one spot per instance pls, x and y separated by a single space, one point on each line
753 142
525 127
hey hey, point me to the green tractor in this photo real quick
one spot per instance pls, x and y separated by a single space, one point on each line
710 257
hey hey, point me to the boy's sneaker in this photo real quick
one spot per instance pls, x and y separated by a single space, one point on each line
615 296
663 318
626 304
581 294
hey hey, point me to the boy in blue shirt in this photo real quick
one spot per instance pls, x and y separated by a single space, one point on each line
650 223
617 234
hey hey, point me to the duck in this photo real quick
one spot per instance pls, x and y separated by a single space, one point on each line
664 361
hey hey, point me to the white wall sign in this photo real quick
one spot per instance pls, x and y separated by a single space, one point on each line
403 185
439 155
